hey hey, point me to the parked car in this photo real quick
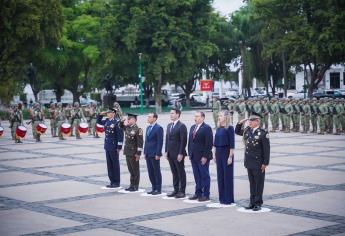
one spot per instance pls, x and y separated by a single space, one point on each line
328 94
342 91
296 94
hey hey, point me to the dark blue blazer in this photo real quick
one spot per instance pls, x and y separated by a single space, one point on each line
113 134
154 141
201 145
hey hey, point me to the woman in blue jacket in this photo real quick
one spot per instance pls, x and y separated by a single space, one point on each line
224 143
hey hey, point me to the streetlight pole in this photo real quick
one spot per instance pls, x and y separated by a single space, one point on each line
141 85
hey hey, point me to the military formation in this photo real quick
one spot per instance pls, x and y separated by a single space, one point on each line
323 116
57 114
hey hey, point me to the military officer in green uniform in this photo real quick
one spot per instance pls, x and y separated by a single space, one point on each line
52 116
322 115
306 116
60 118
132 150
77 116
87 115
68 112
287 115
314 107
329 116
37 117
94 111
295 117
342 115
274 110
16 119
241 109
216 108
231 108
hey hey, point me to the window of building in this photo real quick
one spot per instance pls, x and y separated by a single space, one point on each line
334 78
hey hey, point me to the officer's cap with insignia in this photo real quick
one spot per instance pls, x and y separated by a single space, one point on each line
131 115
254 116
111 110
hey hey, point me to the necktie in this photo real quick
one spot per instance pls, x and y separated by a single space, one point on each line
194 131
172 127
149 130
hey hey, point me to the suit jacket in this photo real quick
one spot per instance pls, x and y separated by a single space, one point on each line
257 146
176 140
201 145
113 134
154 141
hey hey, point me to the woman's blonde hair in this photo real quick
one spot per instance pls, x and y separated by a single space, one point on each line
226 113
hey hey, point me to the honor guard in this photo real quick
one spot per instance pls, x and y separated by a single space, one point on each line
60 118
77 115
16 119
93 113
132 149
53 121
37 117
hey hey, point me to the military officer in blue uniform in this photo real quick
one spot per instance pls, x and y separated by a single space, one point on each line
256 157
112 145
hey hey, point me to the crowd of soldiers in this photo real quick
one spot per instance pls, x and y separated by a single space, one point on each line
322 116
57 115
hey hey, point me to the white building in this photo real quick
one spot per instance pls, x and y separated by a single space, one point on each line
334 79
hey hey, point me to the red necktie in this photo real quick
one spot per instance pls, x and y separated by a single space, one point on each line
194 131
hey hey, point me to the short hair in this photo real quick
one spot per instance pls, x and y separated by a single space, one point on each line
201 113
154 115
177 111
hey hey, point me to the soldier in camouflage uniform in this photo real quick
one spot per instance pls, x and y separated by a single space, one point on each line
231 108
274 114
52 116
322 115
77 116
265 113
306 116
16 119
338 111
296 107
68 112
37 117
329 116
342 115
314 106
60 118
94 111
216 108
119 113
87 115
287 115
240 107
132 150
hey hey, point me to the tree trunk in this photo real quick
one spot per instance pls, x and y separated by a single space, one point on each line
35 96
158 93
285 74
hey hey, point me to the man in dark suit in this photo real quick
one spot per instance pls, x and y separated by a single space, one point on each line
153 152
200 153
256 157
175 149
112 145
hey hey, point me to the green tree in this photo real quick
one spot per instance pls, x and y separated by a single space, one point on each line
26 26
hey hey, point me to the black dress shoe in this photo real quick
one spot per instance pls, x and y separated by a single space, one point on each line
151 192
194 197
257 208
130 187
115 185
250 207
173 194
180 195
156 192
203 199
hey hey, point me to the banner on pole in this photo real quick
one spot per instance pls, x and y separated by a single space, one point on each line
206 85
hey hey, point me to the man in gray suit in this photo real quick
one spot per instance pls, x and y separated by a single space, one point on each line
175 149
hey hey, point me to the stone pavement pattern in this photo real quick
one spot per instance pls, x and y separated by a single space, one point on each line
54 188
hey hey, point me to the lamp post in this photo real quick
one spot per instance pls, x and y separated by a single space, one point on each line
141 85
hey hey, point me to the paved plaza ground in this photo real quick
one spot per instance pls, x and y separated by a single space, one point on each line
54 188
